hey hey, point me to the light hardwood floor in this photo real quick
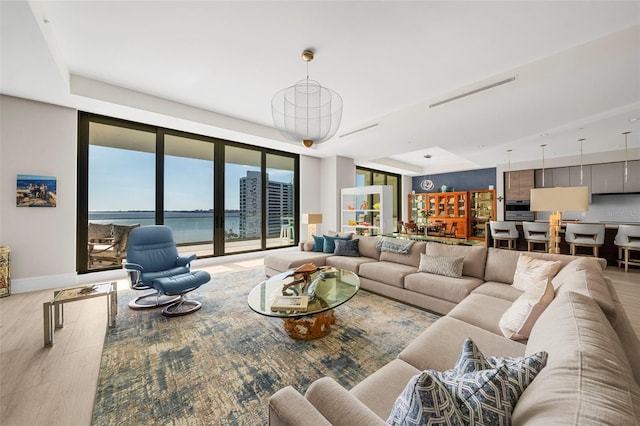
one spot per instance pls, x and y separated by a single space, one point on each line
56 385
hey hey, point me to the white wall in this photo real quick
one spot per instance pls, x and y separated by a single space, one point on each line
310 187
38 138
336 173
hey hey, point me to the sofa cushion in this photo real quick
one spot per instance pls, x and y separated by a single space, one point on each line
390 273
441 287
348 262
587 379
517 321
367 247
501 264
412 258
530 271
499 290
470 393
347 248
474 256
583 275
439 345
441 265
393 378
491 308
292 259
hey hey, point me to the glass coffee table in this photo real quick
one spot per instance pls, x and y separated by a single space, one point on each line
326 291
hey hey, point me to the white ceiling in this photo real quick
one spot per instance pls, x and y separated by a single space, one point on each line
212 67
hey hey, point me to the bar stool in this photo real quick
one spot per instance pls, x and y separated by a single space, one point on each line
627 239
536 233
584 235
504 231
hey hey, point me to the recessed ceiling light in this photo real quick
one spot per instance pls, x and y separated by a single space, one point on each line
634 119
427 156
544 135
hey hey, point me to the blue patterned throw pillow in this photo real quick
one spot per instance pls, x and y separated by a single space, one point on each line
478 390
347 248
330 242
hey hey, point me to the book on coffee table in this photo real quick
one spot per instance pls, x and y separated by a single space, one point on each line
290 303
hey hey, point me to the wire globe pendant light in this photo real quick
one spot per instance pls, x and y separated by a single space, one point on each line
307 112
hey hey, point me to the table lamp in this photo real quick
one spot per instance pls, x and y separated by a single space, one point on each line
558 200
311 219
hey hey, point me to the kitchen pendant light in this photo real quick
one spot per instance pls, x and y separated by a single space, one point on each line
581 171
509 176
542 146
626 158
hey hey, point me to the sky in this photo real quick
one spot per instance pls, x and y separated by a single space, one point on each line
125 180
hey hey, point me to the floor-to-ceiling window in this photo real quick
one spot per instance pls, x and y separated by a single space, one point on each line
243 196
280 200
365 177
219 197
189 191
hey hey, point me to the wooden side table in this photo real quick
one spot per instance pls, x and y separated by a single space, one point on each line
53 311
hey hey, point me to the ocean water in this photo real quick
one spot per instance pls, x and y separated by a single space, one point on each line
188 227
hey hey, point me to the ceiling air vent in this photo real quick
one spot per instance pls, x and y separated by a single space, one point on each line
474 91
358 130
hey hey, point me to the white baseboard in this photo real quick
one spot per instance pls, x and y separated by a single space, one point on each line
23 285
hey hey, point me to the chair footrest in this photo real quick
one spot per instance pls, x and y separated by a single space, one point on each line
180 284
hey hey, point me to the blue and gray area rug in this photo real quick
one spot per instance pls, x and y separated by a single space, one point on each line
221 364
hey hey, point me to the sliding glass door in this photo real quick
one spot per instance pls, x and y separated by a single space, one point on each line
188 192
219 197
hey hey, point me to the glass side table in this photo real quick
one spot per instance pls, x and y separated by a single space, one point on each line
53 310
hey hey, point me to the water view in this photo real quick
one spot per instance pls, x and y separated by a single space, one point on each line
187 226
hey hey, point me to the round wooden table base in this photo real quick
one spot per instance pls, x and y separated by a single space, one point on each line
310 327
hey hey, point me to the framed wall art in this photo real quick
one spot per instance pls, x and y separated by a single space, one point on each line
36 191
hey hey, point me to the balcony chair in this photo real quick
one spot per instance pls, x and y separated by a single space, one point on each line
108 243
153 262
504 231
536 233
627 239
584 235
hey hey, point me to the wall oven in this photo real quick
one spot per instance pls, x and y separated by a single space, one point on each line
518 210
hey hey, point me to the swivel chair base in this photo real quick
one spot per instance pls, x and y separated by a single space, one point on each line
153 300
182 307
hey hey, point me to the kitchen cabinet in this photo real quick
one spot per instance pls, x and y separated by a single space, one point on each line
547 182
561 176
607 178
519 185
633 177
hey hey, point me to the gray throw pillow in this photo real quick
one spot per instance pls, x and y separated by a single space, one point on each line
347 248
441 265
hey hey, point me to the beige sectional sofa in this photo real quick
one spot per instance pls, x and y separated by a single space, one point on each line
593 366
